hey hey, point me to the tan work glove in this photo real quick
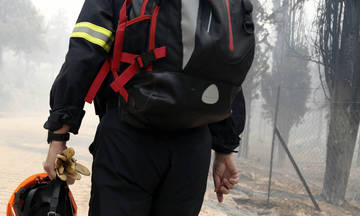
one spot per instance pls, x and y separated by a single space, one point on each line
67 167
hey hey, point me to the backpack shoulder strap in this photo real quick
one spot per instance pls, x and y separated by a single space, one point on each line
137 62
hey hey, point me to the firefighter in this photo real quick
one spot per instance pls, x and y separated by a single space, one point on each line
144 165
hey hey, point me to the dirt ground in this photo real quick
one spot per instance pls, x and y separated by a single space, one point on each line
23 149
288 198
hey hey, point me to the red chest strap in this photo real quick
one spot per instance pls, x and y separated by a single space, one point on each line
140 62
137 62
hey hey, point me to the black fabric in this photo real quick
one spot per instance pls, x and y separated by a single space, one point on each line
177 102
70 116
139 172
83 61
225 134
248 7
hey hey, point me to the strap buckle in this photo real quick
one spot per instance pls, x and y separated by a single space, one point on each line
144 60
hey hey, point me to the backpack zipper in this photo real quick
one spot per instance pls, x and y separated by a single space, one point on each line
210 21
231 39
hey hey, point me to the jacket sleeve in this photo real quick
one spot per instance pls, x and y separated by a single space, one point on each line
225 134
90 43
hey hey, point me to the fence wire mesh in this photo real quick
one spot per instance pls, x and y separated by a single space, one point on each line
307 139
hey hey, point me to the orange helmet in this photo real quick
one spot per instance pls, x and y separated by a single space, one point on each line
39 196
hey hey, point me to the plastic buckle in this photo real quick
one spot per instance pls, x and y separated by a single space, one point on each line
248 25
139 62
144 60
52 213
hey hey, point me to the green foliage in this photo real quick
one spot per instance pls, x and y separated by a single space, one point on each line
294 77
289 67
23 32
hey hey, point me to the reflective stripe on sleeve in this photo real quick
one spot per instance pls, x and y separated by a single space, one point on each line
94 34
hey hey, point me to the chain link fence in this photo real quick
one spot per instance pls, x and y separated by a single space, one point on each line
307 140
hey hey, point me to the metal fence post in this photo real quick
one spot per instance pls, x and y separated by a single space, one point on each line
273 144
282 142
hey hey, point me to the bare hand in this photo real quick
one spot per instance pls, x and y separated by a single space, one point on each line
225 174
55 148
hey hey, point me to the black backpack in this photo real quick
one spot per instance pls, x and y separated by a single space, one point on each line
179 64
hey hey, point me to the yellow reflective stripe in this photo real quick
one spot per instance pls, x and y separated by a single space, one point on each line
94 34
91 39
95 28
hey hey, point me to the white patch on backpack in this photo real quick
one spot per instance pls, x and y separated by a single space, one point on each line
211 95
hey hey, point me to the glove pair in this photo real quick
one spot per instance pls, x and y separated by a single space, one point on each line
67 167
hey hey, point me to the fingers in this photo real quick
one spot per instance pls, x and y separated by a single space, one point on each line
220 197
224 190
70 181
225 175
223 186
49 165
228 184
50 169
234 180
217 182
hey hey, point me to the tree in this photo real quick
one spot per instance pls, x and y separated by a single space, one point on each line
339 49
290 69
22 31
22 27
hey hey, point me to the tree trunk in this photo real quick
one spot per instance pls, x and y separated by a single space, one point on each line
358 143
344 117
340 151
246 138
1 58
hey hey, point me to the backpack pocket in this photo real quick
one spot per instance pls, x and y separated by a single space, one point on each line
224 49
136 39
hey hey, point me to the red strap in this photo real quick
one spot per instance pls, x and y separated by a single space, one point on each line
129 73
143 8
153 27
115 63
119 39
128 57
98 81
153 30
138 19
120 81
160 52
